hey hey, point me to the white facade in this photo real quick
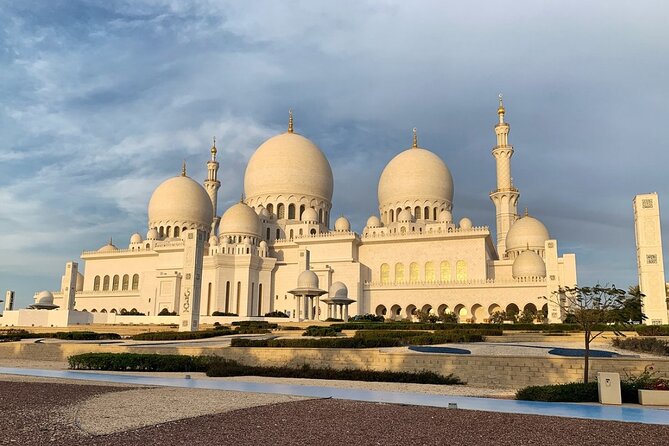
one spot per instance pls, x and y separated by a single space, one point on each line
410 256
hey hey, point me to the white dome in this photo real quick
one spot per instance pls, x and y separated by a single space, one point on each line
465 223
44 298
405 216
374 222
307 279
526 233
310 215
528 264
415 175
224 240
136 238
181 200
240 219
263 244
109 247
152 234
342 224
213 240
338 291
263 213
288 164
445 216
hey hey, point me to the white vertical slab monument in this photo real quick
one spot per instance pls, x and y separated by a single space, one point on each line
649 258
191 281
9 300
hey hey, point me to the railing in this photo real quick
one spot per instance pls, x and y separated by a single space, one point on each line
456 283
452 232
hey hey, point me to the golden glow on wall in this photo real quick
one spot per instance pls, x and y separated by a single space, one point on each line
414 275
385 273
461 271
429 272
399 273
445 271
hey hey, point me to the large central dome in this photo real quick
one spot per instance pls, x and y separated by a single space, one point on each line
288 164
180 202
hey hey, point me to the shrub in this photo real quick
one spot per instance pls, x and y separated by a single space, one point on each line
181 335
579 392
333 319
223 313
84 335
276 314
252 330
132 312
645 345
426 317
140 362
315 330
366 318
166 312
290 328
449 318
652 330
255 324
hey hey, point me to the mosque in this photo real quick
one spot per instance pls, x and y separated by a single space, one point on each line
276 249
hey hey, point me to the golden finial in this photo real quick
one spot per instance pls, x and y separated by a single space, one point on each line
111 241
213 149
415 138
526 212
183 169
290 121
500 110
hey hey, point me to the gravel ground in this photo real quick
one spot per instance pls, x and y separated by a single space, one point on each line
43 413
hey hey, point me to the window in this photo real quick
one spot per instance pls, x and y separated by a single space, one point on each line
135 281
399 273
270 209
445 271
268 233
278 234
115 283
96 283
312 232
105 283
392 216
417 213
320 216
291 234
239 297
227 297
429 272
301 211
413 273
280 211
260 299
461 271
176 231
427 212
385 273
291 211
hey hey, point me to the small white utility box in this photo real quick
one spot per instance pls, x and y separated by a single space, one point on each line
608 385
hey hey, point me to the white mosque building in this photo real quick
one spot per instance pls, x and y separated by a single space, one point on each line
411 255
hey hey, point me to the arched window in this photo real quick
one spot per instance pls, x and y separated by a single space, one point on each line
302 207
161 231
312 232
399 273
270 209
291 211
385 273
104 310
260 313
280 211
434 214
96 283
429 272
301 232
126 282
278 234
268 233
320 216
461 271
417 213
239 297
148 245
392 216
445 271
291 234
167 231
183 229
176 231
113 311
115 283
427 212
135 281
105 283
413 273
327 218
227 297
397 212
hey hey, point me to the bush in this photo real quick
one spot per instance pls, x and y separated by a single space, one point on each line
223 313
315 330
580 392
276 314
255 324
132 312
652 330
645 345
181 335
333 319
17 335
140 362
449 318
252 330
166 312
290 328
366 318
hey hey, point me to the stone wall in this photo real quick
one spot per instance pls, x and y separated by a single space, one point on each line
502 371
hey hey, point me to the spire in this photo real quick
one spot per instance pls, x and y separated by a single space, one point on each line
526 212
241 197
183 169
501 110
415 138
213 150
290 121
111 241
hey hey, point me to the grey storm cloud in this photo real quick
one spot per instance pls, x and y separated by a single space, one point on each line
101 101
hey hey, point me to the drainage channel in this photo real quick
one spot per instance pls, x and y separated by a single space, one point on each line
572 410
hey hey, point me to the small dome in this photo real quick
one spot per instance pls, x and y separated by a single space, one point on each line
240 219
526 233
465 223
342 224
445 217
310 215
109 247
213 240
307 279
181 199
136 238
374 222
263 244
528 264
44 298
246 241
224 240
338 291
288 164
153 234
405 216
263 213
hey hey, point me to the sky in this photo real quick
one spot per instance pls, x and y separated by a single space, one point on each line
101 101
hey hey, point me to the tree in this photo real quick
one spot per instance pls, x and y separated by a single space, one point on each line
426 316
449 318
591 307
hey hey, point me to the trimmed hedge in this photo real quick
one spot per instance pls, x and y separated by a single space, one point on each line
255 324
657 330
642 344
181 335
315 330
576 392
652 330
140 362
17 335
232 368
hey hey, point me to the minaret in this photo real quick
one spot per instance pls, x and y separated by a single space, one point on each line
212 185
505 196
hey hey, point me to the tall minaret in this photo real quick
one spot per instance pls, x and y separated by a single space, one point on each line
212 185
506 196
